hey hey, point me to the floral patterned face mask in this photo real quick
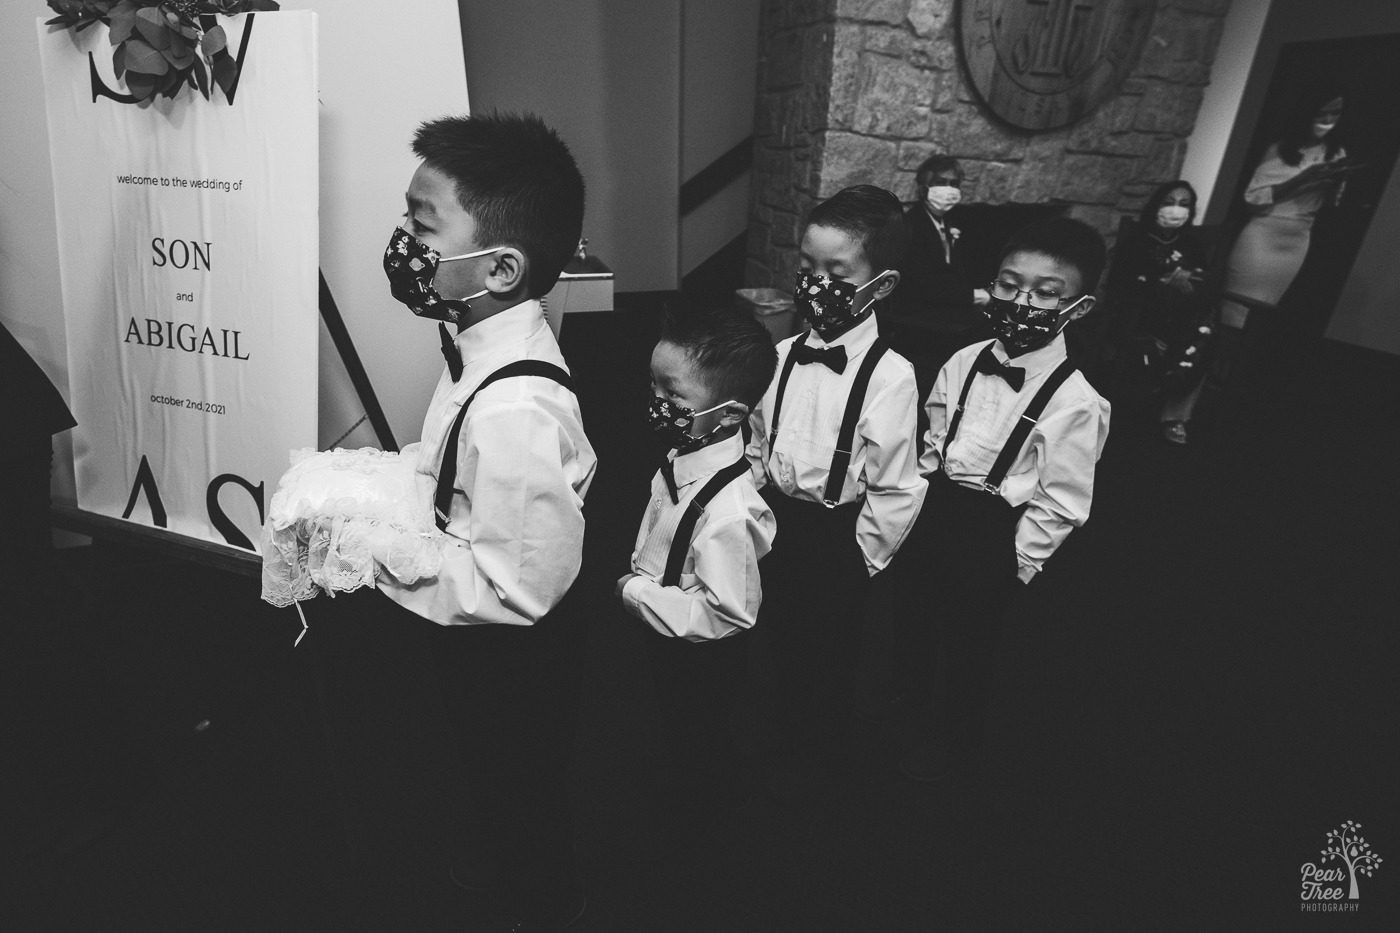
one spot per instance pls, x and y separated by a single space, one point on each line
672 423
828 305
1022 327
411 266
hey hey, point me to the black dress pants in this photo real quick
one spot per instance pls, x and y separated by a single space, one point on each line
815 585
512 696
696 684
954 579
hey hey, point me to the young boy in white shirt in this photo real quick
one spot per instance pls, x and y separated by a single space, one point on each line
1014 434
494 213
833 448
695 567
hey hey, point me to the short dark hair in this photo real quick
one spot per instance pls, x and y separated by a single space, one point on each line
1065 240
517 179
732 352
936 165
1148 217
872 214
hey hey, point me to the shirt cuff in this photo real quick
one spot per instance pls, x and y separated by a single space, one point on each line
632 594
1024 572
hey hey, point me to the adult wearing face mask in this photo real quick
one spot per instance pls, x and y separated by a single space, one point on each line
1299 176
932 271
1164 326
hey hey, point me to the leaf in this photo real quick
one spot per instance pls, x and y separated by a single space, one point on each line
123 25
214 42
150 23
119 61
141 86
179 60
141 58
225 72
201 77
169 84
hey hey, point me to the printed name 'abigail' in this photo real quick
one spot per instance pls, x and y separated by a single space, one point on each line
186 337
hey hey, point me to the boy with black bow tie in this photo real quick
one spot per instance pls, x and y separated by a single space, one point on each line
1014 434
833 449
695 568
494 212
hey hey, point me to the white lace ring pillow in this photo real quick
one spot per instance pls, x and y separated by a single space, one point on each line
333 511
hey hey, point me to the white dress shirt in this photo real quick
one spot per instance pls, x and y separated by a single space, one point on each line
1054 474
883 468
515 530
719 591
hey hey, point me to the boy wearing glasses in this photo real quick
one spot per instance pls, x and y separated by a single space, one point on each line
1014 434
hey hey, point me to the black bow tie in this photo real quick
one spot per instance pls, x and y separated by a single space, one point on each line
668 473
834 358
450 353
989 365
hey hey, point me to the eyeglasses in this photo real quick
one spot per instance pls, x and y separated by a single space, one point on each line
1042 298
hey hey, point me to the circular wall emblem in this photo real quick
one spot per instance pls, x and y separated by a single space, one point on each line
1040 64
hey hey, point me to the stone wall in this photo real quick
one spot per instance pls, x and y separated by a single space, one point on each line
862 91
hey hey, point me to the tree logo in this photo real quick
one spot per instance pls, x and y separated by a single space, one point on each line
1351 849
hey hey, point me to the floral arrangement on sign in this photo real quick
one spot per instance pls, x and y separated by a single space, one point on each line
163 45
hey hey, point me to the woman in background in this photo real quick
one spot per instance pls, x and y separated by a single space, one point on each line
1298 176
1164 321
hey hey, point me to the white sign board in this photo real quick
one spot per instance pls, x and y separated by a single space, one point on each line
188 251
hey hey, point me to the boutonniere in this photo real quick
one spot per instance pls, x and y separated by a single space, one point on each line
1176 255
954 233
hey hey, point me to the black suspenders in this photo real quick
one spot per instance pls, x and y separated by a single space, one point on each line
1017 439
680 541
845 437
447 474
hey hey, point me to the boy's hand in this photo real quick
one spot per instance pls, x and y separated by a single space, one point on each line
622 582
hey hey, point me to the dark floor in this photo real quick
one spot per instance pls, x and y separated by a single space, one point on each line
1198 689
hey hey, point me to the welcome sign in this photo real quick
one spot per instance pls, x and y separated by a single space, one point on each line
188 252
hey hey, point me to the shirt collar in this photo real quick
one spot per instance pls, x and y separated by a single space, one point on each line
513 325
707 460
856 340
1036 361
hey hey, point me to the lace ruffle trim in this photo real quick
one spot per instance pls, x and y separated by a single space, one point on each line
317 541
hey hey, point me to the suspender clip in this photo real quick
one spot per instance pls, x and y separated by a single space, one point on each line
441 517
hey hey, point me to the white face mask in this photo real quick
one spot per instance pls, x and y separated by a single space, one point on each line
1171 216
941 198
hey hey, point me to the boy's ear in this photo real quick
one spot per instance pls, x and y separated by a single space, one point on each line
887 285
508 271
733 413
1084 307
